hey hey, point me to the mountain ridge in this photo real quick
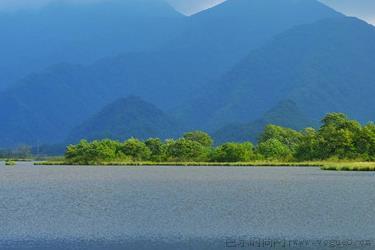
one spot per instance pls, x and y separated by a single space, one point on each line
47 105
125 118
315 65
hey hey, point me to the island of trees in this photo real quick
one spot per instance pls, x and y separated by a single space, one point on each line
338 138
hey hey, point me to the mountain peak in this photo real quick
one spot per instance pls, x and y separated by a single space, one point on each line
267 8
125 118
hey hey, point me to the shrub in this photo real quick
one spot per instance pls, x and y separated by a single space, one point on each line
135 149
273 149
234 152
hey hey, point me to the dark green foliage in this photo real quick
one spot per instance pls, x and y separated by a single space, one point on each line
337 138
286 136
199 136
135 149
92 153
157 149
366 142
309 146
234 152
186 150
273 149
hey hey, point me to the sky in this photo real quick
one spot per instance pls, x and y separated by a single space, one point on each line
189 7
364 9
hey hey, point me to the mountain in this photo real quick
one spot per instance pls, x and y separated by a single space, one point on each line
45 106
190 7
126 118
322 67
218 38
77 33
285 114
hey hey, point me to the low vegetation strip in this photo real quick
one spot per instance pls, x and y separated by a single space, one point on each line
10 163
193 164
349 166
339 144
330 166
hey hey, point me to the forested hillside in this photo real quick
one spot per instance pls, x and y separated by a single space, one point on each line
45 106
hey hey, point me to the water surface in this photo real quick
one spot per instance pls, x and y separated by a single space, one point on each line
61 207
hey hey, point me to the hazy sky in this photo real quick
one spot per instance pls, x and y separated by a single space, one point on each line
17 4
364 9
193 6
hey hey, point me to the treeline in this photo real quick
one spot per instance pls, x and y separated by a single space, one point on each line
21 152
337 138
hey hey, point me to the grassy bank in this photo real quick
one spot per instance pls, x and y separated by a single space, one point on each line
349 166
324 165
228 164
10 163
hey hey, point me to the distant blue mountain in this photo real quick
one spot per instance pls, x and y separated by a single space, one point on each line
126 118
81 33
286 114
44 107
323 67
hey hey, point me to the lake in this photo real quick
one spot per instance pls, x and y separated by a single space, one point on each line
61 207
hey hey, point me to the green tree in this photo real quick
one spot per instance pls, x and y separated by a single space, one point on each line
199 136
135 149
157 149
338 136
78 154
308 148
186 150
365 143
273 149
234 152
289 137
95 152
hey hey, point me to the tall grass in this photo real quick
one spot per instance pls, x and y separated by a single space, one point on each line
229 164
349 166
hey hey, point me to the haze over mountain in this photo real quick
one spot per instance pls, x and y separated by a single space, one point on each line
286 114
126 118
230 64
34 39
322 67
44 107
360 8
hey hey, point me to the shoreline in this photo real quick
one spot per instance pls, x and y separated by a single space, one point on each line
323 165
187 164
326 166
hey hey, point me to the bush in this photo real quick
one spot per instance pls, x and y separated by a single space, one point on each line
201 137
234 152
157 149
186 150
273 149
95 152
135 149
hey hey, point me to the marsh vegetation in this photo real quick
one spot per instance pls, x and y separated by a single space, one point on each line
338 142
